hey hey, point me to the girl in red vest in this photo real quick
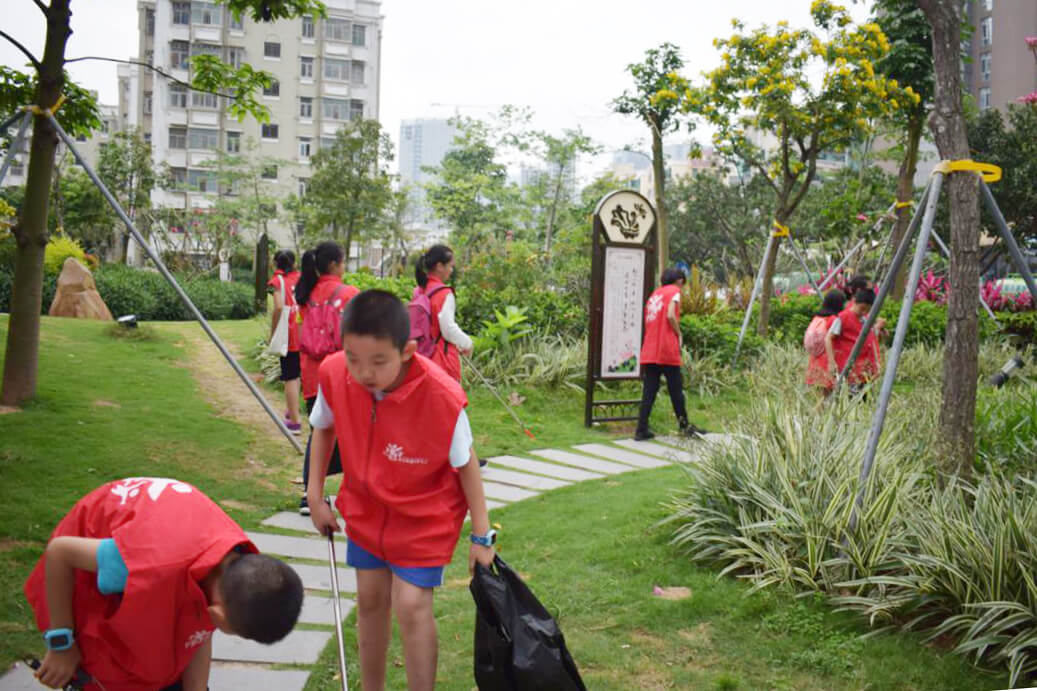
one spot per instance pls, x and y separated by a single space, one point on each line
283 287
320 281
433 270
843 334
661 353
819 374
406 487
138 575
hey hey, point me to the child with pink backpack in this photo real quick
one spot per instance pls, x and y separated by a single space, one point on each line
819 376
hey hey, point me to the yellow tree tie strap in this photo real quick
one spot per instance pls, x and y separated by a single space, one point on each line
36 110
904 205
988 171
780 231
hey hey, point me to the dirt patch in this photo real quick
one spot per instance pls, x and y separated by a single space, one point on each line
653 680
699 637
240 506
5 409
7 544
108 404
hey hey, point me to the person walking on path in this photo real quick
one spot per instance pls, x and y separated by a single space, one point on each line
819 376
283 286
320 284
433 270
661 353
843 334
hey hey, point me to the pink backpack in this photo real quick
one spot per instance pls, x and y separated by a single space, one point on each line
814 338
321 333
420 311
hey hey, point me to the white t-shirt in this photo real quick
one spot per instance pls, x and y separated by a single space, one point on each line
460 444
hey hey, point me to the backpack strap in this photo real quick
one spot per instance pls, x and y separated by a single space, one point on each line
439 337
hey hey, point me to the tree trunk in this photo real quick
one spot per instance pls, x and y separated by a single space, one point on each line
905 193
659 179
552 214
349 241
262 269
961 350
767 288
23 333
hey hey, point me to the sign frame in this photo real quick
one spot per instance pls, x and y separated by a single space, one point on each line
624 228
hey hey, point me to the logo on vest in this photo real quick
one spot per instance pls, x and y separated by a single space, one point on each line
131 487
394 452
655 305
197 638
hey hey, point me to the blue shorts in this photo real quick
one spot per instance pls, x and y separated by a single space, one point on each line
421 576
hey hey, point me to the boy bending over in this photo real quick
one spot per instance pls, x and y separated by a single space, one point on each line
409 474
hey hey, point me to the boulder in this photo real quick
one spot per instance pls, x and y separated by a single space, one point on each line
77 294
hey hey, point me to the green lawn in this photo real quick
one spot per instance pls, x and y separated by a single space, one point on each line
111 407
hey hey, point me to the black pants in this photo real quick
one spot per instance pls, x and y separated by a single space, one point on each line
675 387
335 466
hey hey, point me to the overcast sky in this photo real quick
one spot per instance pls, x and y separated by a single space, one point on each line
565 59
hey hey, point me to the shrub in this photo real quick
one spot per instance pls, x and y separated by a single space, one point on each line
147 294
60 248
402 287
542 360
713 335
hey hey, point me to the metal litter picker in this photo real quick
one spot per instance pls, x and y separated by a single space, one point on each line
332 562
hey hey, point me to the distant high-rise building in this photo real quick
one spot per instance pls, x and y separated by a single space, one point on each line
1002 67
326 72
424 142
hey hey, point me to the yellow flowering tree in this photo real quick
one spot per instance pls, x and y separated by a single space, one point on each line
781 97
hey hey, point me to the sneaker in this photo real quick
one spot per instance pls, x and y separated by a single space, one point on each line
293 427
693 431
483 463
643 435
304 507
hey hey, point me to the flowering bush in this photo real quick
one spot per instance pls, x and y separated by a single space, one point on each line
931 288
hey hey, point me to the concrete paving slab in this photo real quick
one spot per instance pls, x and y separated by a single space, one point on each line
491 504
291 520
510 477
285 546
581 461
495 490
659 450
614 453
19 678
318 610
319 577
298 647
230 677
541 468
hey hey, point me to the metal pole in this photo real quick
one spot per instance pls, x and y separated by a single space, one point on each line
884 290
752 298
840 265
15 143
879 419
947 253
14 118
176 286
337 608
806 269
1006 233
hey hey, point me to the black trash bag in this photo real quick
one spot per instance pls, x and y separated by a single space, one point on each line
518 645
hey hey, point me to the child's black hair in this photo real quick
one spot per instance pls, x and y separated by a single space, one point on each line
315 263
377 313
437 254
864 296
833 303
284 260
262 597
672 275
858 282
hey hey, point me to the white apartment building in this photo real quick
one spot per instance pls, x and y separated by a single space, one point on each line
327 73
423 144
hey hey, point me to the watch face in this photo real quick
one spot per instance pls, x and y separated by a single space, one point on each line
59 641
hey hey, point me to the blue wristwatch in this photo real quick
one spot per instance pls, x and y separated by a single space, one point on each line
487 540
59 639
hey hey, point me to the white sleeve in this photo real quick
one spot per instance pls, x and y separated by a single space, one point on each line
461 444
676 298
321 417
452 333
836 329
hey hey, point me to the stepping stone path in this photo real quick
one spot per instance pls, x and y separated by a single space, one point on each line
242 665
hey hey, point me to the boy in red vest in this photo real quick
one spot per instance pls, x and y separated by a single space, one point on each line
409 474
843 334
136 577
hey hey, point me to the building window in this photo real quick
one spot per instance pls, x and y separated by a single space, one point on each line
177 96
207 49
334 108
202 180
272 49
149 57
147 138
305 107
179 53
356 74
233 142
207 13
307 26
337 29
177 137
237 23
198 138
984 66
235 56
178 176
359 35
149 22
270 173
336 69
203 99
273 90
306 68
304 147
986 30
182 13
268 131
147 103
988 5
303 185
356 110
327 142
984 98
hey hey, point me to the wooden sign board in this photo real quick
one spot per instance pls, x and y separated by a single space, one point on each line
622 276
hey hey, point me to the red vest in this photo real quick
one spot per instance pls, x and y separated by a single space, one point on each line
866 367
817 365
445 355
290 279
401 499
322 292
661 343
171 536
